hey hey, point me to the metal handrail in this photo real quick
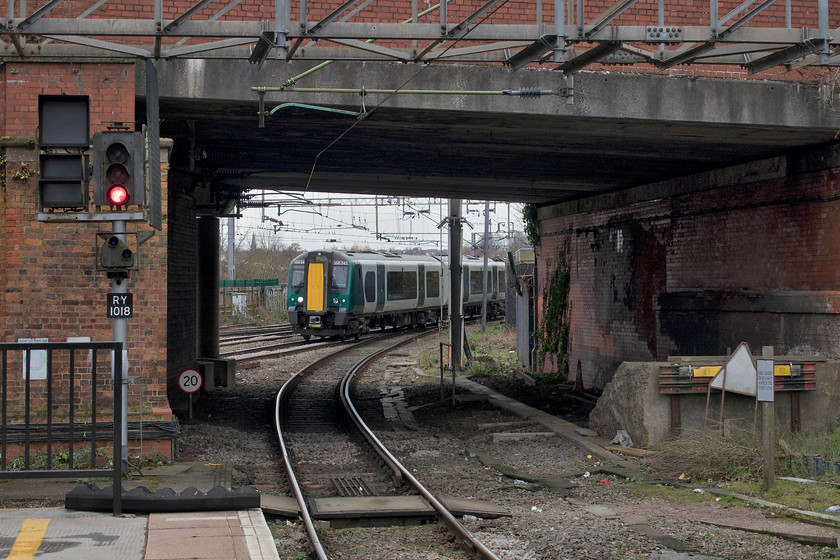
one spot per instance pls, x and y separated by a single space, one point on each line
30 385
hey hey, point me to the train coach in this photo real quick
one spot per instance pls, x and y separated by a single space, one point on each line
334 293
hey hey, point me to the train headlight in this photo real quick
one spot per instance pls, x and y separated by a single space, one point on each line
335 301
300 299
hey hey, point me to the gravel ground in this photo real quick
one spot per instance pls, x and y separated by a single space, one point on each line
566 516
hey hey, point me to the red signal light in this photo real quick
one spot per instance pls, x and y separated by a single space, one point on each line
118 161
116 177
117 195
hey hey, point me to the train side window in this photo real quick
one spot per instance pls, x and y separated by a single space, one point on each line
477 281
402 285
502 284
297 277
370 286
432 284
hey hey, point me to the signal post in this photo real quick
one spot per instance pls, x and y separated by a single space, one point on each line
118 182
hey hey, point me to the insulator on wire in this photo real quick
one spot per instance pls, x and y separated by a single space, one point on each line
527 92
530 92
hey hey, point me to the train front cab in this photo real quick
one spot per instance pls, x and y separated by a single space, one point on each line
319 294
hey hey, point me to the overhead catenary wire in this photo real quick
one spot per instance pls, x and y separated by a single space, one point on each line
388 93
523 92
402 221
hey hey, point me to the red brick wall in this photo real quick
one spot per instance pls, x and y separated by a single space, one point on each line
750 253
110 87
181 281
3 240
51 286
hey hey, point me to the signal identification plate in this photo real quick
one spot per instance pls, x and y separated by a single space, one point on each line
120 306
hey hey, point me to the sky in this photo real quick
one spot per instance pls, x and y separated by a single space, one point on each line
340 221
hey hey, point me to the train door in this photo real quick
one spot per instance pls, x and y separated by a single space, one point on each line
380 287
421 285
370 290
315 294
357 290
465 284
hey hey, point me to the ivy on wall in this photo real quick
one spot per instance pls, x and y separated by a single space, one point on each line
553 330
529 216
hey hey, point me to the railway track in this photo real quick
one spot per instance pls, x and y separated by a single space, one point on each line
250 352
244 335
454 451
339 465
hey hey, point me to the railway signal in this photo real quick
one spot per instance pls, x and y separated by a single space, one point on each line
115 255
118 165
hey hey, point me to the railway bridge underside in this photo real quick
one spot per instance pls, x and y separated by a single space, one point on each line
685 215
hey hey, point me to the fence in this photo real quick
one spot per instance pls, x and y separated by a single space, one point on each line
235 295
50 412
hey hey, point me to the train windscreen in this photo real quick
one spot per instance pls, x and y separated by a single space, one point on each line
296 277
340 275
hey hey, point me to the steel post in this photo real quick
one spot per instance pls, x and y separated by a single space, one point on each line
455 298
119 285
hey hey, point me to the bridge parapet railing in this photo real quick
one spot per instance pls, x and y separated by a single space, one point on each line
754 34
61 410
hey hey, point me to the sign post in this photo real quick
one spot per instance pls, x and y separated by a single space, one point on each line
190 381
766 396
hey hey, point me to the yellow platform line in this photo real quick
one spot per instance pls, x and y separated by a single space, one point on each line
29 539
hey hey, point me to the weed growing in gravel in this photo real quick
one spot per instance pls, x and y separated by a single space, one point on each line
710 454
428 359
495 342
669 493
493 351
58 460
256 315
733 460
808 496
794 448
156 459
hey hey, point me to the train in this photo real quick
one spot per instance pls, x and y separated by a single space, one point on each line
347 294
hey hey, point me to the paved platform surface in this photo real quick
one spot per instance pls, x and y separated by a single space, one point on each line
60 534
227 535
55 533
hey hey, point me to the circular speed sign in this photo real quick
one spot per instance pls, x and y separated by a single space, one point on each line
190 381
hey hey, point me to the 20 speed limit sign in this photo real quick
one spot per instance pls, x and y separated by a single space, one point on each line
190 381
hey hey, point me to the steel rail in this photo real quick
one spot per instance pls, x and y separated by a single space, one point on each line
284 392
280 349
444 515
279 346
